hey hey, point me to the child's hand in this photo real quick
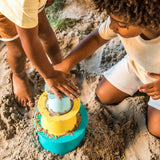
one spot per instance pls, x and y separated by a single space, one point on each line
152 89
63 82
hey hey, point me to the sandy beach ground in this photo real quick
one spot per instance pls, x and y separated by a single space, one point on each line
115 132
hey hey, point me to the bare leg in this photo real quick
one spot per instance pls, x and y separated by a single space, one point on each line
48 39
153 121
17 59
108 94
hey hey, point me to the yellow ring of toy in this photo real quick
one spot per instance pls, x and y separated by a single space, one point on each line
58 125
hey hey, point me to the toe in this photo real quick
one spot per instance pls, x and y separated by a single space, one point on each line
31 103
24 104
18 101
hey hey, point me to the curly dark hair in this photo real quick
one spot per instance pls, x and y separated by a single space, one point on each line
135 12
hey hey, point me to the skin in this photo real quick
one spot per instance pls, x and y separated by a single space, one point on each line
56 80
49 3
21 87
92 42
35 43
48 39
151 89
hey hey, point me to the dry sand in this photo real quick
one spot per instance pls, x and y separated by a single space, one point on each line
113 132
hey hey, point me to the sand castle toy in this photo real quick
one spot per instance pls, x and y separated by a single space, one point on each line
61 124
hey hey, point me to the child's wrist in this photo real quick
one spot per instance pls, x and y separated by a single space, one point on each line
67 65
64 67
49 74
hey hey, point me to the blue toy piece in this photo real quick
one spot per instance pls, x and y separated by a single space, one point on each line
56 105
64 144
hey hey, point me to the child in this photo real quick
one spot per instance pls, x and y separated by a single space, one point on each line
26 31
137 24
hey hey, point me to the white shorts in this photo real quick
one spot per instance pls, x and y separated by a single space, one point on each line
123 76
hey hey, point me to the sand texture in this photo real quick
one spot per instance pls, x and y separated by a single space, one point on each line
115 132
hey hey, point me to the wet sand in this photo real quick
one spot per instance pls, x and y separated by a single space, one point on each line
113 132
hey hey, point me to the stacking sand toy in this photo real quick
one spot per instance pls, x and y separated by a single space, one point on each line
61 124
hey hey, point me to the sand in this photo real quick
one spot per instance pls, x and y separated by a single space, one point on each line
114 132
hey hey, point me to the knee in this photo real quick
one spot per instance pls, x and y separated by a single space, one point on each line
153 119
18 54
101 97
16 51
15 48
154 130
98 94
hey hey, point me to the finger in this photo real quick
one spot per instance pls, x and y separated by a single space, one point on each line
72 88
155 97
71 82
153 75
71 91
70 76
55 91
74 85
152 94
66 92
71 85
74 81
147 90
146 86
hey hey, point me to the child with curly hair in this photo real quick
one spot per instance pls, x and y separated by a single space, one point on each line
26 31
137 24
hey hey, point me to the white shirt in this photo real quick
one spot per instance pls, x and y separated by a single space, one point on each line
144 54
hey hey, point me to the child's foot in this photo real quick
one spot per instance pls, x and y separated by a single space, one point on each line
22 90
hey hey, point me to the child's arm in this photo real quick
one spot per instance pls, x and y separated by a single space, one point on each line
84 49
49 3
56 80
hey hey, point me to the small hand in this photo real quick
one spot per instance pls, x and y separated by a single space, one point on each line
49 3
63 82
152 89
63 68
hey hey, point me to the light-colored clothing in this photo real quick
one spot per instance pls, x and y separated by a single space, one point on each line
23 13
123 77
143 56
8 30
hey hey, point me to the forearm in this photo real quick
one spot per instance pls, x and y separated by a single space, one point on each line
39 59
84 49
48 38
34 51
52 49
